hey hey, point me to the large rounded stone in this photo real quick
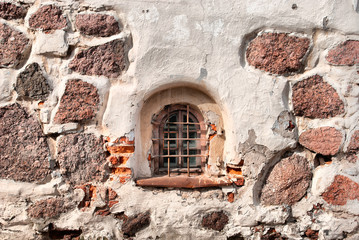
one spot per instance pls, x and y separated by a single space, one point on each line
323 140
10 11
288 181
48 17
100 25
13 46
277 53
108 59
24 152
81 158
346 53
341 190
78 103
31 84
315 98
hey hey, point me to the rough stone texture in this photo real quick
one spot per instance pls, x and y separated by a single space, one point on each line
354 142
215 220
315 98
346 53
277 53
48 17
136 223
108 59
100 25
13 46
24 150
78 103
10 11
323 140
81 158
32 84
288 181
48 208
341 190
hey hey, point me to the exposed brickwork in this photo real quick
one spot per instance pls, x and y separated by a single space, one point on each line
215 220
10 11
346 53
32 84
23 147
315 98
323 140
78 103
354 142
341 190
277 53
288 181
81 158
312 234
116 149
47 208
90 195
108 59
13 46
136 223
48 17
100 25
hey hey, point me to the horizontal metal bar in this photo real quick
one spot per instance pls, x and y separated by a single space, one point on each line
182 170
157 139
157 156
189 123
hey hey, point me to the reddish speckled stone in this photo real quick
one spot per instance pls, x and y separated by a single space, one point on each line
288 181
10 11
323 140
346 53
315 98
24 152
108 59
48 208
78 103
341 190
277 53
100 25
82 158
354 142
48 17
215 220
13 46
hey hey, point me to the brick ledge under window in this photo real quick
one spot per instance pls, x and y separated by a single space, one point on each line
184 182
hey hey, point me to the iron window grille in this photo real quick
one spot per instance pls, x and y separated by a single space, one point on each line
179 141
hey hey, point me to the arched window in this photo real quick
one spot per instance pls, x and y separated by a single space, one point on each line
179 141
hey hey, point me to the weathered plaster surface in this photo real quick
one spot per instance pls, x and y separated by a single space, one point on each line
187 52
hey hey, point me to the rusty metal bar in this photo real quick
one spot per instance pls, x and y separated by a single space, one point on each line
179 155
188 140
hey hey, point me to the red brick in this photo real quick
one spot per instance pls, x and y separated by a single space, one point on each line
120 149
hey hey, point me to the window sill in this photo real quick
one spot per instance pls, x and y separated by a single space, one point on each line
183 182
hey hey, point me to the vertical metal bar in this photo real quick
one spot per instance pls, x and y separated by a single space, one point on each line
188 140
168 159
168 141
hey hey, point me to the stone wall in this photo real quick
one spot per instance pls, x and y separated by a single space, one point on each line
275 81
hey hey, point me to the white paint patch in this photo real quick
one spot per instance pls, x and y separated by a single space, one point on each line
180 31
